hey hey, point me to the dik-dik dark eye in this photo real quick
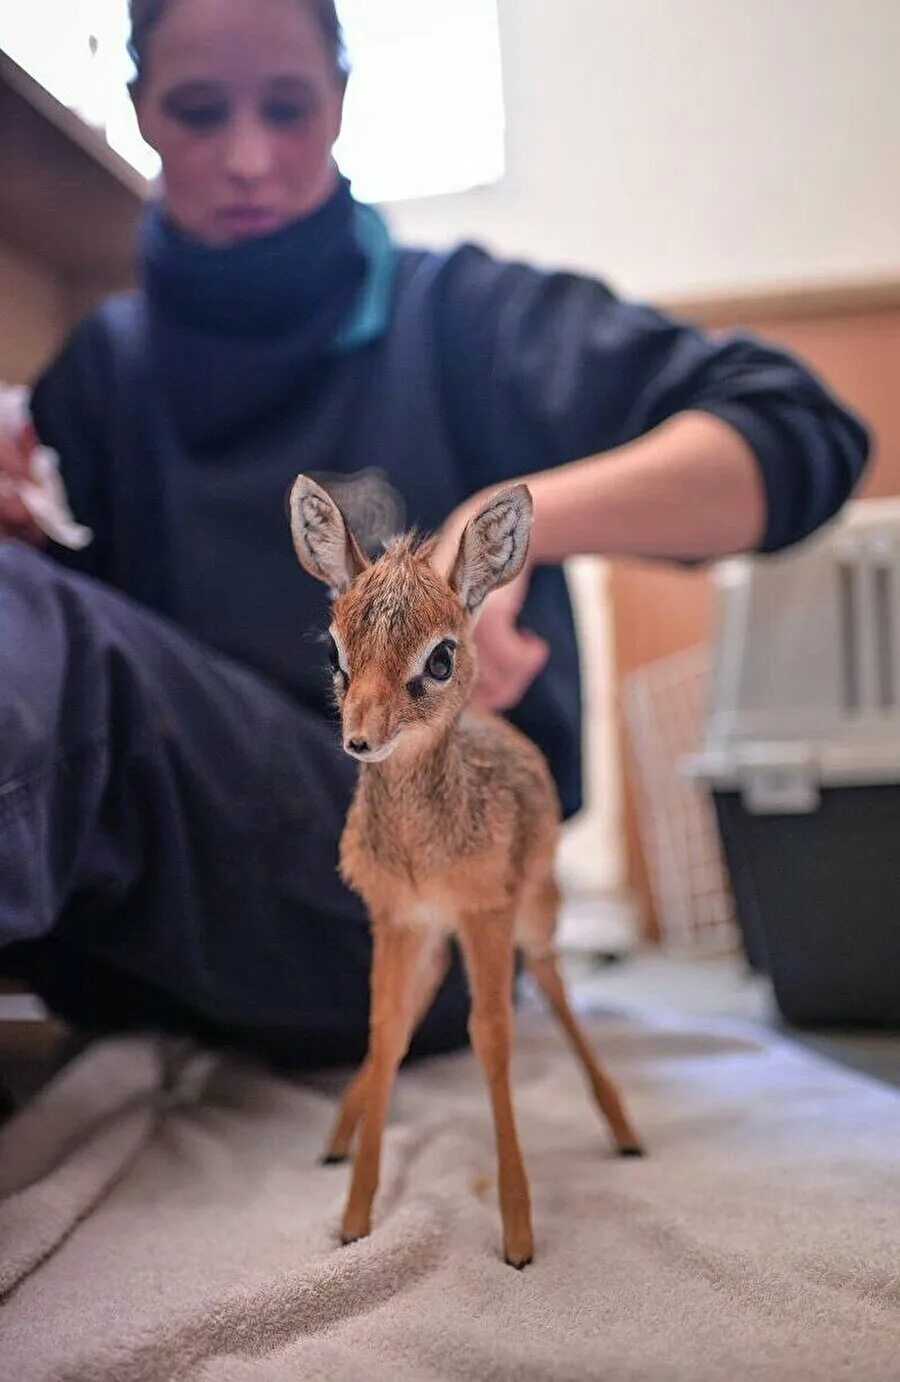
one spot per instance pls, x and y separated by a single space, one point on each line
440 660
334 660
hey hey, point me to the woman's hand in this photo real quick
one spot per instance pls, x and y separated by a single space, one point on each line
15 462
509 657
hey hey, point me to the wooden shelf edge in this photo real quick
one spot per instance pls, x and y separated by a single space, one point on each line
72 127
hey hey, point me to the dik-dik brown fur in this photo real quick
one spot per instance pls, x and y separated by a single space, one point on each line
453 827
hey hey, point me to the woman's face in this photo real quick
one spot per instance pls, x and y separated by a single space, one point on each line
241 100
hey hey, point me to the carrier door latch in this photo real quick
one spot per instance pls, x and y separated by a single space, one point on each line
779 779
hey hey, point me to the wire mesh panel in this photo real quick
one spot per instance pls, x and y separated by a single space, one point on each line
664 706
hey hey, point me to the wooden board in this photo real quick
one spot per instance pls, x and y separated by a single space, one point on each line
68 201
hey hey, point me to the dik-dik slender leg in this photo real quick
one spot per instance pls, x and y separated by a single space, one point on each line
428 981
396 954
487 943
537 928
546 974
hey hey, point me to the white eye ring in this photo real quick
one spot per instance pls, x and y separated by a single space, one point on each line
341 652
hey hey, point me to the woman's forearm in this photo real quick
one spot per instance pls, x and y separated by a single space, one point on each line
689 489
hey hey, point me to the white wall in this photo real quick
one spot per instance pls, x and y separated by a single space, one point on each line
592 855
682 145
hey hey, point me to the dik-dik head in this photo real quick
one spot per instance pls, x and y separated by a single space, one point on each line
401 645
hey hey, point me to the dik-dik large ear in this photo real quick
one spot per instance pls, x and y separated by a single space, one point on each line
493 547
324 544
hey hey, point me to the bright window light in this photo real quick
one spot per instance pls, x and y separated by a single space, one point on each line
424 109
425 103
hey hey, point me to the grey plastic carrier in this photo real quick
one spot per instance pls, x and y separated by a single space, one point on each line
802 755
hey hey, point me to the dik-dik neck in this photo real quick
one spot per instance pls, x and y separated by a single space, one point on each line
432 771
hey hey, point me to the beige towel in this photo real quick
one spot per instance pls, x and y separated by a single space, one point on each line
165 1218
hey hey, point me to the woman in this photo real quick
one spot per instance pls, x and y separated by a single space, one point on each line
170 785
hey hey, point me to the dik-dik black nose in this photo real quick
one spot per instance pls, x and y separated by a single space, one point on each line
358 745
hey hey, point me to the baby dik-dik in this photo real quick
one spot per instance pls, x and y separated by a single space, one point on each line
452 829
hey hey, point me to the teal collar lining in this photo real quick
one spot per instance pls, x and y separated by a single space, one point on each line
371 310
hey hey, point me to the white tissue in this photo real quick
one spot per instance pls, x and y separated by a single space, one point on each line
43 493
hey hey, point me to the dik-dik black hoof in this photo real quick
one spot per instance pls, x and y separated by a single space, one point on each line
632 1151
333 1159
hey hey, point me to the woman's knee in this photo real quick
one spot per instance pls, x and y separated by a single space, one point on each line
29 593
34 657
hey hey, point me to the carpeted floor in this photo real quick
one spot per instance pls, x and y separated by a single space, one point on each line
723 987
164 1218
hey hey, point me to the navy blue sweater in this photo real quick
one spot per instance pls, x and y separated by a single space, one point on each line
480 371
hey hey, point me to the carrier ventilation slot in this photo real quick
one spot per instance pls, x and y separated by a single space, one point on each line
885 633
849 635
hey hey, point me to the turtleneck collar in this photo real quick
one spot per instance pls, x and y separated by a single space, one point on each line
234 328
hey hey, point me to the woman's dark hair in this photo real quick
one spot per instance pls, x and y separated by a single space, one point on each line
146 14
